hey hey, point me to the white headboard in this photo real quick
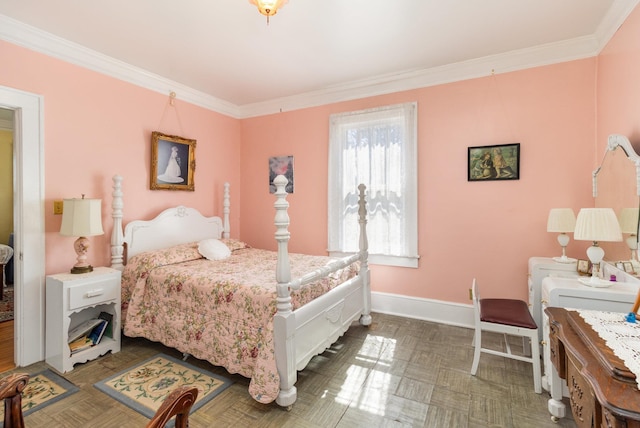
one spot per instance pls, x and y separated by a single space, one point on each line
172 226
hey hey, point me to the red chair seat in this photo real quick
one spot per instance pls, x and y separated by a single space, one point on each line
506 311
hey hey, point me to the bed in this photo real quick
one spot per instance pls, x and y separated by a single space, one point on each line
262 314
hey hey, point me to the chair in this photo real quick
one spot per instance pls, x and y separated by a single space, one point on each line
509 317
177 404
11 388
6 252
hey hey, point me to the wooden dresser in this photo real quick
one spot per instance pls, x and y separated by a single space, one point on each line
602 391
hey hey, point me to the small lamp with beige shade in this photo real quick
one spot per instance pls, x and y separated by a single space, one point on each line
628 219
81 218
562 221
597 225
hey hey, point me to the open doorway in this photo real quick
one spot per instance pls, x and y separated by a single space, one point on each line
7 327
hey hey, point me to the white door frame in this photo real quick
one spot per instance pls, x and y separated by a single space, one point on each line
28 215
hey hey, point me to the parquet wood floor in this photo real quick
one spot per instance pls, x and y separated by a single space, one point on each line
399 372
6 346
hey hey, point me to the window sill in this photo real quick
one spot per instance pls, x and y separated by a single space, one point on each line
380 259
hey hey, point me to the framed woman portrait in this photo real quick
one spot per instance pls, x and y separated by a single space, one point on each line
173 162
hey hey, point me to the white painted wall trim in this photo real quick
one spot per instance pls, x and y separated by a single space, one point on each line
423 309
28 215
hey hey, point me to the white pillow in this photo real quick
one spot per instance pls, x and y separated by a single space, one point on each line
213 249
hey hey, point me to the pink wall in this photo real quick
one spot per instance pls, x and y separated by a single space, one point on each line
483 229
96 126
618 102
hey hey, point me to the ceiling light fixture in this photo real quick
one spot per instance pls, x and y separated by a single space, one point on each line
268 7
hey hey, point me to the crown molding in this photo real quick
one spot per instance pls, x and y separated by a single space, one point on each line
569 50
33 38
24 35
615 17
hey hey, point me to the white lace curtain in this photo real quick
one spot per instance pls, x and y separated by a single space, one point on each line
376 147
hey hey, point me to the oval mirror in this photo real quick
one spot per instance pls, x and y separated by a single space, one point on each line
616 185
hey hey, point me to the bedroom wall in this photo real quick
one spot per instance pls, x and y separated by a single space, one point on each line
97 126
483 229
618 104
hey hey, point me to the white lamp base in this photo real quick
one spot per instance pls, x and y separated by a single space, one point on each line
563 240
596 282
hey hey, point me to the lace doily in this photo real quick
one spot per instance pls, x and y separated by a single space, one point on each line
620 335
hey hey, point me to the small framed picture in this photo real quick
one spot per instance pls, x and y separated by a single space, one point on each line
584 267
628 267
499 162
281 165
173 162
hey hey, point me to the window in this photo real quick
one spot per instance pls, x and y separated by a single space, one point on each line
377 147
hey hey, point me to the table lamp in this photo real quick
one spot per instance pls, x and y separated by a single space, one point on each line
563 221
597 225
628 219
81 218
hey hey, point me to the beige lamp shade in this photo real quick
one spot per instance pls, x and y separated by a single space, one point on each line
561 220
81 217
628 219
597 224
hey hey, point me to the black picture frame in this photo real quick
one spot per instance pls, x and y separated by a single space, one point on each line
173 162
482 162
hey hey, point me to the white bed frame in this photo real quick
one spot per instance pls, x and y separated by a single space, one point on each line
299 335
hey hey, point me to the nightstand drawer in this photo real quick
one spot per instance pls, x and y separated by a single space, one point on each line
93 293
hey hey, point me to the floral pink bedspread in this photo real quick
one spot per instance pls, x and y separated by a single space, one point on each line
220 311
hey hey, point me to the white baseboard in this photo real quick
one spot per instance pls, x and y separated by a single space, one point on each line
439 311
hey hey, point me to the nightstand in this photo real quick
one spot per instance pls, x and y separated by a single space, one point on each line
539 269
72 299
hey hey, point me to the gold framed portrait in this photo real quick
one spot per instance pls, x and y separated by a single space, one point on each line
173 162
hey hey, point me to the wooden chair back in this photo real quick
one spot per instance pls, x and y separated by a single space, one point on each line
11 388
177 404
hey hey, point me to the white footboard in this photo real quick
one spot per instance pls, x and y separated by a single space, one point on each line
308 331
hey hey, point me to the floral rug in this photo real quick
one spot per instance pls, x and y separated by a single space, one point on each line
43 388
144 386
6 305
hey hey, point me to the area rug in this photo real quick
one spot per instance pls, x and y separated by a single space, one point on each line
144 386
43 388
6 305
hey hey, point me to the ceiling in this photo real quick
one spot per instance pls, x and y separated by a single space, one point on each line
223 55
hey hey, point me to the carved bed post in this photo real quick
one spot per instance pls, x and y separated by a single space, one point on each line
365 319
283 322
226 204
117 236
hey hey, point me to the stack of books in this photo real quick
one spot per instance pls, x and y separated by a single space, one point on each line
89 333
